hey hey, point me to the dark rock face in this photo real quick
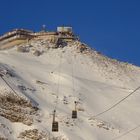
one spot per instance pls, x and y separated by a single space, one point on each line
1 138
35 134
17 109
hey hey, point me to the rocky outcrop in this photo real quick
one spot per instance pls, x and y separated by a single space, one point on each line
17 109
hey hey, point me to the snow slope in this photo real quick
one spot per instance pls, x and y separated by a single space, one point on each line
57 78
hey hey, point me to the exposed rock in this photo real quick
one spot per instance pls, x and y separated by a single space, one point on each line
1 138
17 109
35 134
23 49
37 53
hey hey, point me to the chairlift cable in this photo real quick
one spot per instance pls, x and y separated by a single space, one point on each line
55 124
9 85
74 111
73 70
58 87
127 132
73 82
113 106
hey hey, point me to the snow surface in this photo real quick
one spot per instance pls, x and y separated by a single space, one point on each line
60 76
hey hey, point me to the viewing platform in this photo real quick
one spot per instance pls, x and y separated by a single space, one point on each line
18 36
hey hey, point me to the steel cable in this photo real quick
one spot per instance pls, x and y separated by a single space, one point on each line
127 132
9 85
113 106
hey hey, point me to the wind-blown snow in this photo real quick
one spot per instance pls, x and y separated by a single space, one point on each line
60 76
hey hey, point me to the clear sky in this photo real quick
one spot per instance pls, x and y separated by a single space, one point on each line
110 26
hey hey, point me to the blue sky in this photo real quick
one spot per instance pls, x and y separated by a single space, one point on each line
110 26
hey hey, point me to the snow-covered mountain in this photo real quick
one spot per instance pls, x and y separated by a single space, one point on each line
46 77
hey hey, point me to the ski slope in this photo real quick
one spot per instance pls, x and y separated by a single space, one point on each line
57 78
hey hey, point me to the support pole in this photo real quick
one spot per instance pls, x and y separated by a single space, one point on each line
54 115
75 105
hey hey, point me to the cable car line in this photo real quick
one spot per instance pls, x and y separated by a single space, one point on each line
55 124
73 87
127 132
2 77
74 111
113 106
58 87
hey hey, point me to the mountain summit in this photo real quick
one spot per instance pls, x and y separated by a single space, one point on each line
46 71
